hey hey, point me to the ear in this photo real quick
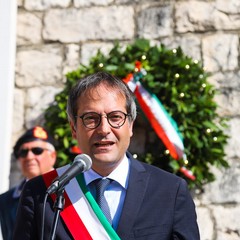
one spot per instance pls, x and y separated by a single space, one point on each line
73 129
131 129
53 157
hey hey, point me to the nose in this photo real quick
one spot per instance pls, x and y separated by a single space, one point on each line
30 155
104 127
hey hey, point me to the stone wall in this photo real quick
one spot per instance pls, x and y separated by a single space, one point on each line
53 37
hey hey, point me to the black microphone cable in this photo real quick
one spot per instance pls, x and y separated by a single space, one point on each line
43 216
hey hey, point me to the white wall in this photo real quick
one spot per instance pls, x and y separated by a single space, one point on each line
8 12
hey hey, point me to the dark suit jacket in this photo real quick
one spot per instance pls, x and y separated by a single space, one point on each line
157 206
8 210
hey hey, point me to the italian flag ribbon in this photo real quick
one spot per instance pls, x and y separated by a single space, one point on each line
81 213
162 123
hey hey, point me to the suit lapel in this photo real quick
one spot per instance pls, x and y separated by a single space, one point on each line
138 180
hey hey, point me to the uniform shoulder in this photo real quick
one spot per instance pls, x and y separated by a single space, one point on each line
7 193
6 197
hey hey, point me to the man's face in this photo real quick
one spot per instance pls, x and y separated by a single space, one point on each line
32 164
105 145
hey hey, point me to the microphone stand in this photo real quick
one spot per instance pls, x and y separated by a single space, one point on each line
58 207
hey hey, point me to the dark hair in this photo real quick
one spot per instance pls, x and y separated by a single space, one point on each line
92 81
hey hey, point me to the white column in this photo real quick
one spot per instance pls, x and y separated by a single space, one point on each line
8 13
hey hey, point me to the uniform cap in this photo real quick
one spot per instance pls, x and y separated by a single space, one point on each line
34 134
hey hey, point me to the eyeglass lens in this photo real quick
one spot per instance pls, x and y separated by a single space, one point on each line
92 120
36 151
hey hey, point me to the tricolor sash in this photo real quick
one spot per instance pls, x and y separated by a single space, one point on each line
81 213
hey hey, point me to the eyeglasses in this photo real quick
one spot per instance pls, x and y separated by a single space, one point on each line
92 120
36 151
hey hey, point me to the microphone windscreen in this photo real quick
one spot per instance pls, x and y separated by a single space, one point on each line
84 158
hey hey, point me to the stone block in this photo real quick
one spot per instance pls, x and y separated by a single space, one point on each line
37 100
230 6
229 80
36 67
18 111
45 4
205 223
41 97
191 45
73 25
89 50
225 188
224 21
220 52
20 3
227 223
29 28
228 102
232 148
227 235
88 3
197 16
72 58
194 16
155 22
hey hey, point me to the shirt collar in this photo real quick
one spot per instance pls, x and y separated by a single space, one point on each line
120 174
18 189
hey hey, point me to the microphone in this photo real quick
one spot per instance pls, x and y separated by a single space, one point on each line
81 163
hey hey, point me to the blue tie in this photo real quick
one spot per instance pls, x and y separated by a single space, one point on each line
101 186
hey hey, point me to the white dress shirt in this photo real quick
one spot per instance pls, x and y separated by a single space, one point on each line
116 191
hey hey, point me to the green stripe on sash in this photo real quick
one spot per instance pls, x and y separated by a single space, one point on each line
107 226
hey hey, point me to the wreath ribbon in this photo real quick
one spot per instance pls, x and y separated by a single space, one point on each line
163 124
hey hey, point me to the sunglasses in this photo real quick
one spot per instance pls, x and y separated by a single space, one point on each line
36 151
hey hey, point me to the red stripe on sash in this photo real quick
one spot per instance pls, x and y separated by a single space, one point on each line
69 214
